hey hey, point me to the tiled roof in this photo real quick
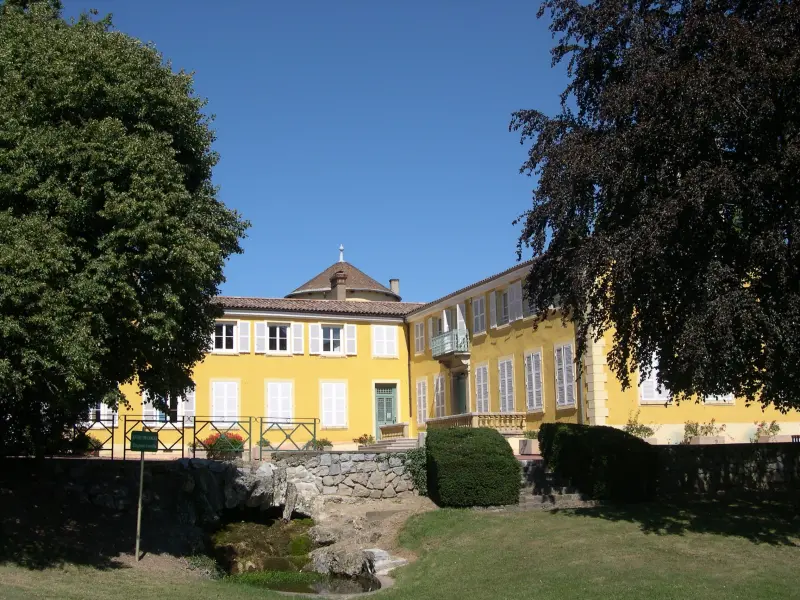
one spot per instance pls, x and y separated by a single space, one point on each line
527 263
356 279
348 307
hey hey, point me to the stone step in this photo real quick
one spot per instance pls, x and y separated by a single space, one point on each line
392 445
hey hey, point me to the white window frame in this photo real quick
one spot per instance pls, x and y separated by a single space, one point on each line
226 419
385 352
331 326
225 323
562 385
661 396
720 400
106 416
335 424
506 393
478 316
483 396
500 295
438 395
422 400
288 327
268 400
534 382
419 337
185 414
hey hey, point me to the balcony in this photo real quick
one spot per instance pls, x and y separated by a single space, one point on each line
451 348
509 424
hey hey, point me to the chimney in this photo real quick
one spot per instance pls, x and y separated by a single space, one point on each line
339 286
394 285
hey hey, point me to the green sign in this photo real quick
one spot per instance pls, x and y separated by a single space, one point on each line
144 441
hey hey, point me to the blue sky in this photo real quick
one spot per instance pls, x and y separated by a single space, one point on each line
382 126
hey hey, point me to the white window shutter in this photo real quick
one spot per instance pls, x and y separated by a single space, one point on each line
529 381
447 325
538 392
148 410
493 309
350 339
390 333
461 316
314 338
569 376
287 400
244 336
327 404
297 338
217 399
510 386
515 300
232 401
560 392
261 337
378 341
189 405
340 405
430 332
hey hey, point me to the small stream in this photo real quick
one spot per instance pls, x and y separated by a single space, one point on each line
258 548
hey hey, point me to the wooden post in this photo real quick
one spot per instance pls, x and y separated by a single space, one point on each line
139 514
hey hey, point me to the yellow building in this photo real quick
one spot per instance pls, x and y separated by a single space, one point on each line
342 356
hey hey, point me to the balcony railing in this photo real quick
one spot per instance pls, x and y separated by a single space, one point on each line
450 342
505 423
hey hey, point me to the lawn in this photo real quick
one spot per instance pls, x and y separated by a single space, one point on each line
702 551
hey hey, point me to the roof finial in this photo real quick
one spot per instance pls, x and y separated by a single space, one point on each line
341 252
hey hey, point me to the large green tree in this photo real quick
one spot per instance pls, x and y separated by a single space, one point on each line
667 206
112 237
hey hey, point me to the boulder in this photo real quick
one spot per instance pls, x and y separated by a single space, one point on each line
323 536
341 561
359 491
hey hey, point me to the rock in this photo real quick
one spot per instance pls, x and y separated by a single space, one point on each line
369 457
312 464
382 562
390 476
347 481
322 471
400 486
376 494
343 490
395 462
399 470
346 467
377 481
360 478
357 457
389 492
334 469
307 493
328 480
290 502
322 535
265 470
334 459
359 491
383 466
328 491
325 460
368 467
340 561
301 472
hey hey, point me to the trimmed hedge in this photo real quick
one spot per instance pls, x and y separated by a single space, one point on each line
471 467
601 462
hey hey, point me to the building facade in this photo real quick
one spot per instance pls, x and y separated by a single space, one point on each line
343 356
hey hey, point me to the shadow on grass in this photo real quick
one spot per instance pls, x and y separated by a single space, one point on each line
770 521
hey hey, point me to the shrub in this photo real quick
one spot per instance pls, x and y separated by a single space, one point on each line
693 429
365 439
601 462
640 430
319 445
85 443
471 467
532 434
417 465
762 428
223 445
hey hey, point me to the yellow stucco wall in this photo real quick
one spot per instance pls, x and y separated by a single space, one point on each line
252 371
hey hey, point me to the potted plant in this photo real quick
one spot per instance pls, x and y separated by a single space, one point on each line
319 445
224 446
529 445
640 430
703 433
768 433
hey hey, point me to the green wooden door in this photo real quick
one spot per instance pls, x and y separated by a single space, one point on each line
385 406
459 396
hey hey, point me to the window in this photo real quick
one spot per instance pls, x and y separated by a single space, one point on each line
720 399
502 307
224 336
649 392
100 415
482 388
438 391
332 339
422 400
384 341
506 381
279 401
478 315
278 338
334 404
565 376
438 326
225 401
419 337
534 395
180 410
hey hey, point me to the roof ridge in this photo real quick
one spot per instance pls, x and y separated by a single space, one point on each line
357 279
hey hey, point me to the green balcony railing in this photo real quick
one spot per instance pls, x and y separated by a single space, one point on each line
450 342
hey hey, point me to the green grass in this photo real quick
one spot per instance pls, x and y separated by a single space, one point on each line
654 552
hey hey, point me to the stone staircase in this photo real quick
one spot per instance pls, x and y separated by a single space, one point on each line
390 445
543 490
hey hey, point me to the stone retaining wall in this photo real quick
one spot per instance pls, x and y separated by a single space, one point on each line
358 474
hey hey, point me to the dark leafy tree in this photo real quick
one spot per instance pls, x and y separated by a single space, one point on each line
112 238
667 207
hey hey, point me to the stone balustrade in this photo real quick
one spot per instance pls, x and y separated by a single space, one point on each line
394 431
506 423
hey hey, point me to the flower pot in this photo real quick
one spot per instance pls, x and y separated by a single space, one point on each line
528 446
706 439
